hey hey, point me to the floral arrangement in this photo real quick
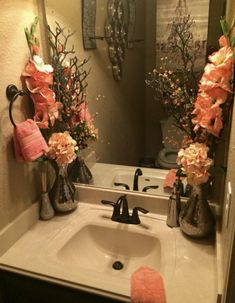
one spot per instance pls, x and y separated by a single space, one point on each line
200 110
58 92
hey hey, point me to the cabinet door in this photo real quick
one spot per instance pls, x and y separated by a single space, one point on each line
17 288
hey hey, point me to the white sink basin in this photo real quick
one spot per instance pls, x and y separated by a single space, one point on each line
98 248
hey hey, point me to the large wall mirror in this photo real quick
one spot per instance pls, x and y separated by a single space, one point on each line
128 117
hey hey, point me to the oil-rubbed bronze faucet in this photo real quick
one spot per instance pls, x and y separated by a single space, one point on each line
138 172
121 211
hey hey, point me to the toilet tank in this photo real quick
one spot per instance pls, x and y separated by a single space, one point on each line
171 135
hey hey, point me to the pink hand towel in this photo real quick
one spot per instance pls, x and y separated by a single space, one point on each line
147 286
170 179
29 143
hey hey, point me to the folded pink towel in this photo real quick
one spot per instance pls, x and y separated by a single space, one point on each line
170 179
147 286
29 143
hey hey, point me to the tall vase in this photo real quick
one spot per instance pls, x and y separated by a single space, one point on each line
62 194
79 172
196 218
46 210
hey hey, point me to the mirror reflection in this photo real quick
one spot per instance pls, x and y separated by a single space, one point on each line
133 128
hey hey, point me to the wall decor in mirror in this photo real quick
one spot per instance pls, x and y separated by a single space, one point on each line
131 123
119 29
88 23
115 27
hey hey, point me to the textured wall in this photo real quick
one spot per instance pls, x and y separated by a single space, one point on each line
121 116
18 182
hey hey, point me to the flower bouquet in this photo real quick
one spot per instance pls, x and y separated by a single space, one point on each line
58 92
200 111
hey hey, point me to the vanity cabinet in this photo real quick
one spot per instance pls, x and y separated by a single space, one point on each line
17 288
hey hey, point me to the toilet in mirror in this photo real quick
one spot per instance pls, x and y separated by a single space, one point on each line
172 139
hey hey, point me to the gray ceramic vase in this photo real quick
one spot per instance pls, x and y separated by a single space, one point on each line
196 218
62 194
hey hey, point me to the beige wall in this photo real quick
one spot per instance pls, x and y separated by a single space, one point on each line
121 116
18 182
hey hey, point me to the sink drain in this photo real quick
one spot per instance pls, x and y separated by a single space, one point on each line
117 265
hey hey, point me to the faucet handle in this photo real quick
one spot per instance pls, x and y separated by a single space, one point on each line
135 216
127 187
108 202
116 216
146 188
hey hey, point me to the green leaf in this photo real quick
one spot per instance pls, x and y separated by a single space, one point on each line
34 26
232 41
224 26
233 22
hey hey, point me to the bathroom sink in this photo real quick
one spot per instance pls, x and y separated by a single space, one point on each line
110 249
105 175
93 252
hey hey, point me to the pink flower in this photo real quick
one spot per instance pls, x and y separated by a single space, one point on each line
62 148
215 77
223 58
195 163
39 77
41 118
214 88
84 114
223 41
218 94
35 49
218 73
46 105
207 115
38 71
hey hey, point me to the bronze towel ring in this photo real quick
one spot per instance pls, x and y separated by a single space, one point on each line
12 93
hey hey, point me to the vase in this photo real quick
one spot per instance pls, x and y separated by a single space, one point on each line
196 218
46 210
62 194
79 172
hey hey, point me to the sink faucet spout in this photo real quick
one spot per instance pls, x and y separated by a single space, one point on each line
138 173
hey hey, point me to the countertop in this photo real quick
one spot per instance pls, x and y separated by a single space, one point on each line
190 277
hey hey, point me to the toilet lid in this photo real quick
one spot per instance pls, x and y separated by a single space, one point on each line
168 155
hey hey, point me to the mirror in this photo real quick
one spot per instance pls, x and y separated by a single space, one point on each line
127 116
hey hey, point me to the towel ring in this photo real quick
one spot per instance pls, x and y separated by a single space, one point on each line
12 93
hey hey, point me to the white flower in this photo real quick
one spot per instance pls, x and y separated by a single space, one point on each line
46 68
